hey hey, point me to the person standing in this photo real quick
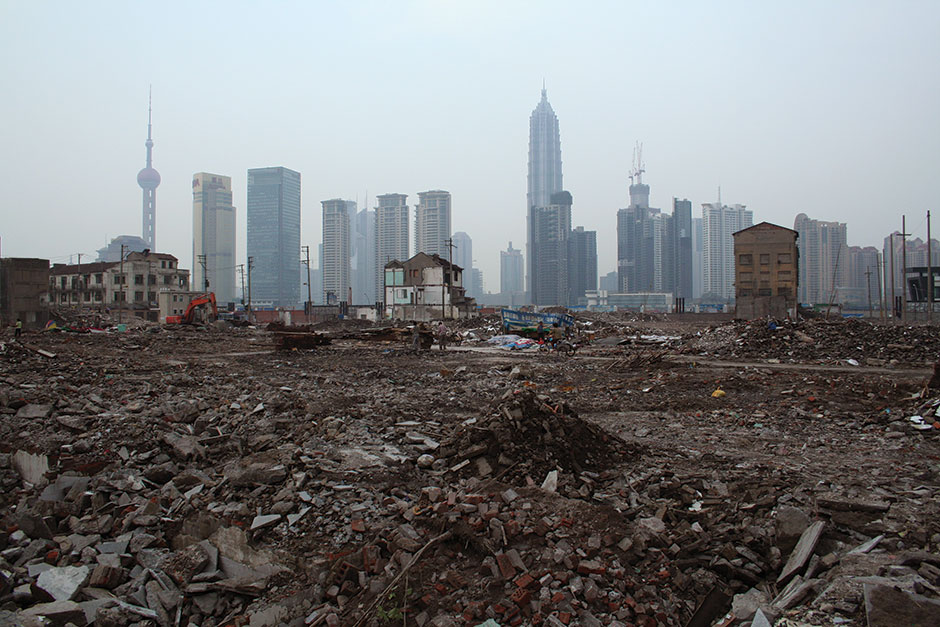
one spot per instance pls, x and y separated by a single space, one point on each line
442 334
540 332
416 337
19 329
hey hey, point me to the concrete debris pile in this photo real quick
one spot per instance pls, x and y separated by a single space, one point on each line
529 434
190 477
819 340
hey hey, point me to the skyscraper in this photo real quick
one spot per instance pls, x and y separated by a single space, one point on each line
682 244
463 251
644 240
551 227
824 259
362 264
719 222
336 253
149 180
391 234
511 270
582 264
432 223
544 171
274 235
214 236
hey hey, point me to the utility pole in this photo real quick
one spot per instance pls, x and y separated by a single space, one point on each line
881 292
904 236
241 272
929 274
893 281
306 250
251 263
868 280
80 303
121 301
205 275
450 259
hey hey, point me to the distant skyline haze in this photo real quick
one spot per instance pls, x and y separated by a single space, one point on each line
828 109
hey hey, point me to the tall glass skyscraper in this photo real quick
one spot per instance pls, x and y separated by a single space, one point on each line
544 172
214 236
274 236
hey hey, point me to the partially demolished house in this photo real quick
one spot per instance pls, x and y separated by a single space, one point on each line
426 287
766 262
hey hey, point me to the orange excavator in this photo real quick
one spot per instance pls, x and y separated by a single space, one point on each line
201 310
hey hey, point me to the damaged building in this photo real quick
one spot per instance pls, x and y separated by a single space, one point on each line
426 287
766 262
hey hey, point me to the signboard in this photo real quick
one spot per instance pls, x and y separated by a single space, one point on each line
513 319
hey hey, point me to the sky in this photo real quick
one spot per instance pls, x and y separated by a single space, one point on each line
826 108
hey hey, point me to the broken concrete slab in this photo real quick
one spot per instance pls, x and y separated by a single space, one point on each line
31 468
56 614
802 552
886 606
33 411
63 583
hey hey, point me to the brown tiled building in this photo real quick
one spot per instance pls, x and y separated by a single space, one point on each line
766 264
24 287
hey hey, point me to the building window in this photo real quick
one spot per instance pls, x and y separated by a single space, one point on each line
163 264
784 291
744 293
151 279
138 279
99 279
168 279
784 274
784 258
746 260
765 259
138 296
765 291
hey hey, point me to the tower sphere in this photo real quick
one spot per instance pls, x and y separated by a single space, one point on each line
148 178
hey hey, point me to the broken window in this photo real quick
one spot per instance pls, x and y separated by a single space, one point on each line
784 258
746 260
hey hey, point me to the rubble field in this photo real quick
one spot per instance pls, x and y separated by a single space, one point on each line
671 473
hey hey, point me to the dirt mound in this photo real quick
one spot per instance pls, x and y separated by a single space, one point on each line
529 434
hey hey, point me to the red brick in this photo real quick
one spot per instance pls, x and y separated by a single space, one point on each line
567 522
474 499
525 580
536 619
358 525
511 528
506 569
564 617
499 609
558 597
441 588
516 621
521 597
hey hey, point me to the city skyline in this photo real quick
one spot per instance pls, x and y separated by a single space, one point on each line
735 105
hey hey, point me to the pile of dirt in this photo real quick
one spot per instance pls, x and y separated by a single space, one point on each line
528 434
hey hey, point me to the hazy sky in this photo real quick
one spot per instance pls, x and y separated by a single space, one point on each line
828 108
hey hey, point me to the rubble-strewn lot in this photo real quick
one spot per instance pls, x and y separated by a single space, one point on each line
200 477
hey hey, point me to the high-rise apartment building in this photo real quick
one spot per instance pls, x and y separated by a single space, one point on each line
149 180
511 270
391 234
544 177
582 264
682 244
551 227
432 223
698 263
463 257
362 264
336 250
824 261
719 223
274 236
214 236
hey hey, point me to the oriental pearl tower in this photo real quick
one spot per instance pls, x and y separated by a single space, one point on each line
149 179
